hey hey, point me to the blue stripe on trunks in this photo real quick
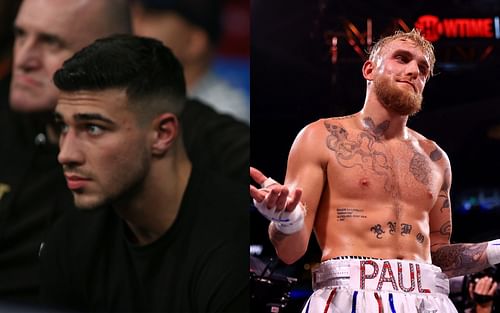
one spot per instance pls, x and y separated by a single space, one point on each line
354 296
391 303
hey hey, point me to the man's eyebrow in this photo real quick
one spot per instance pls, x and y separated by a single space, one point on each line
402 51
43 36
406 53
85 117
46 37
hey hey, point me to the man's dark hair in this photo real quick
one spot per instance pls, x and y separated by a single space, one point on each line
205 14
147 70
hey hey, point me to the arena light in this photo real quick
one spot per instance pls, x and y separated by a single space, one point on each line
433 28
460 42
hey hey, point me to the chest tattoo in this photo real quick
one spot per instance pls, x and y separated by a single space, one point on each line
420 168
365 151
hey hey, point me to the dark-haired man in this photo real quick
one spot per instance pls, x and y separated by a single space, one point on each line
32 188
33 192
154 232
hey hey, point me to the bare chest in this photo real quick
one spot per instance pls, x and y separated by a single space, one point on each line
362 167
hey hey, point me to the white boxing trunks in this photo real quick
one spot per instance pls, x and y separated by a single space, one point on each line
375 286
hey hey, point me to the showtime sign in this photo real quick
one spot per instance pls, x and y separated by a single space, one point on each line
433 28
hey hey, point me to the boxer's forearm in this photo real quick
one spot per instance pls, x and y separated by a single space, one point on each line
289 248
461 259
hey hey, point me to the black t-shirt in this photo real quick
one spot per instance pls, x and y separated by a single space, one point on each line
33 191
199 265
33 194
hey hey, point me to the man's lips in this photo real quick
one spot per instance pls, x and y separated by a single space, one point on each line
409 83
26 80
75 181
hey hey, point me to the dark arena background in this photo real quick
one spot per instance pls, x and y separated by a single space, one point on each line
306 59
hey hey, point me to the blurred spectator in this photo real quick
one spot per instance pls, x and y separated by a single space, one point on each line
8 11
482 292
192 28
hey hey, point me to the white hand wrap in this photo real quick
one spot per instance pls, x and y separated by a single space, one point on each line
284 221
493 252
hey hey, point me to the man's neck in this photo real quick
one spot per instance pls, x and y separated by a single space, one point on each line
154 208
381 122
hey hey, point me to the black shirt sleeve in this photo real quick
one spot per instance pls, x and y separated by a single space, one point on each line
216 141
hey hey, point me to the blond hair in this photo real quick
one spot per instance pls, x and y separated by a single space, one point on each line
415 36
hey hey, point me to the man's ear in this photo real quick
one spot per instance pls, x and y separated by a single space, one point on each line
165 129
368 68
199 42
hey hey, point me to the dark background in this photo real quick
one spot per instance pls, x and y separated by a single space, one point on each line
294 82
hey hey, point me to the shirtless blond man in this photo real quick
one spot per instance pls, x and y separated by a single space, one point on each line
376 194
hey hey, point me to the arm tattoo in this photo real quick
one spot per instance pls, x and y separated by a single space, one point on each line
443 193
446 204
460 259
446 181
445 229
436 155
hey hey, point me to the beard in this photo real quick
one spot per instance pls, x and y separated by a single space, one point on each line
396 99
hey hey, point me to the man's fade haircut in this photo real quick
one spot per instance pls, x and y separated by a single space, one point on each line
413 35
147 70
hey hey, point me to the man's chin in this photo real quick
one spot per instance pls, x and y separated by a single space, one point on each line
86 204
403 111
404 103
30 104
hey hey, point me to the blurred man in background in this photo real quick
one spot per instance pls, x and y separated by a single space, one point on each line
8 10
192 29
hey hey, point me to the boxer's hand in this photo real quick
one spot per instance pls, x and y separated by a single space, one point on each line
277 203
482 291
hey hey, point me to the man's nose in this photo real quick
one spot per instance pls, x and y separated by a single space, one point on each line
70 151
27 54
412 69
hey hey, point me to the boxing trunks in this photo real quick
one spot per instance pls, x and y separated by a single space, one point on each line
373 286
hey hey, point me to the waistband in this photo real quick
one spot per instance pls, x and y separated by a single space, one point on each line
381 275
